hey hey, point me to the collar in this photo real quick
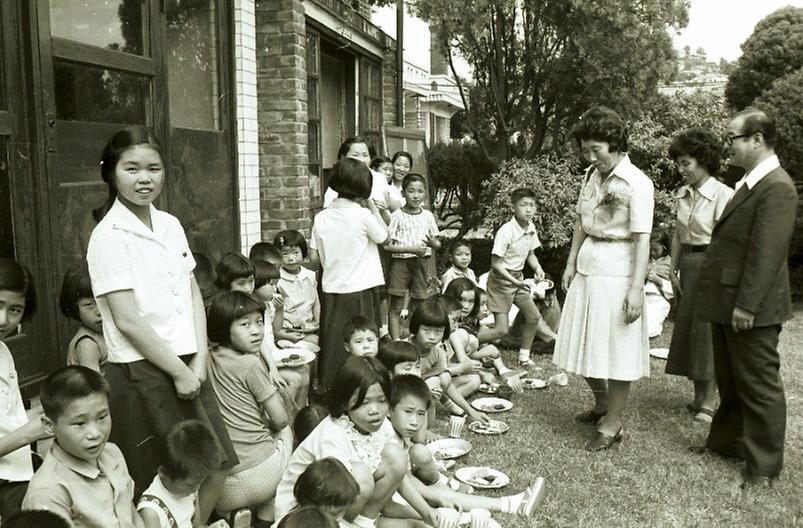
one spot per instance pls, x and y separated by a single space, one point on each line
521 231
120 217
82 467
302 274
706 190
623 170
758 172
343 203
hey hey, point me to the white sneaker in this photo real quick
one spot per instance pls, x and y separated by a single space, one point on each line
532 497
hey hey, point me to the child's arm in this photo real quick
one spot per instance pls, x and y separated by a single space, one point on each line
87 353
148 518
23 435
532 260
457 398
496 265
274 412
419 250
316 307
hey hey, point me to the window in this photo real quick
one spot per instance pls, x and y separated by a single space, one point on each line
314 114
371 102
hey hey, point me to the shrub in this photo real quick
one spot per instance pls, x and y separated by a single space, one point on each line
784 101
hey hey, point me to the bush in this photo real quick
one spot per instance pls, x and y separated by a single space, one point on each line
784 101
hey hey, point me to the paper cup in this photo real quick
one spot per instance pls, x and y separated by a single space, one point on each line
480 518
456 426
448 518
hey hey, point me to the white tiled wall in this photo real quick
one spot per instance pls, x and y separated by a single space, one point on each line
247 139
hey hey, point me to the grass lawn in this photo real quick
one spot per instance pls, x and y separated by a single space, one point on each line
650 479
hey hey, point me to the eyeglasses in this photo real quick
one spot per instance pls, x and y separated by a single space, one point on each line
728 140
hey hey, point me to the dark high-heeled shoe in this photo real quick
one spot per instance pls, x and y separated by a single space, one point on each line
602 441
590 417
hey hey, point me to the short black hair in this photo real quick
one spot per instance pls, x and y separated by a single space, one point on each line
227 307
458 286
231 267
343 151
189 449
356 374
457 243
351 179
68 384
17 278
403 154
413 177
326 483
757 121
520 194
265 251
378 161
75 285
291 238
358 323
409 385
429 313
699 144
263 272
307 420
391 353
600 123
448 302
308 517
35 519
204 273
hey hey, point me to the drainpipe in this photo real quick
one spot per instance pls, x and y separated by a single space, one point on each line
400 63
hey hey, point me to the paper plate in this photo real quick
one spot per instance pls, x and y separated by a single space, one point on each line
446 448
482 477
660 353
548 284
534 383
306 345
293 357
492 405
494 428
488 388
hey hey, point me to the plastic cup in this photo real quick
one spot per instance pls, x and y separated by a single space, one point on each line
505 391
480 518
456 424
448 518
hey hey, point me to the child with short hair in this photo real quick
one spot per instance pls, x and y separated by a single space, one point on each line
35 519
17 430
205 277
267 252
189 454
460 255
400 357
87 347
327 485
413 235
234 272
299 289
252 409
360 337
467 373
514 246
307 517
84 478
307 420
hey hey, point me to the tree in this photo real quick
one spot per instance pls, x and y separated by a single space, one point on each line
774 50
784 101
538 64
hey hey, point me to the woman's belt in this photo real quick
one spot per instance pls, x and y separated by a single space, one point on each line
695 248
607 239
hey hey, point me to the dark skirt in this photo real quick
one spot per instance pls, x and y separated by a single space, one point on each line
145 406
336 310
691 353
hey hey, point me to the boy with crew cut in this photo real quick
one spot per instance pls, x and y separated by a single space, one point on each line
361 337
514 246
83 479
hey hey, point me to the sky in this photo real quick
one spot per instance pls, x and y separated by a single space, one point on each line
720 26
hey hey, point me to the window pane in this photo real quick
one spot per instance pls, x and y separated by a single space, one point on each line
116 25
192 65
312 53
95 94
312 97
313 142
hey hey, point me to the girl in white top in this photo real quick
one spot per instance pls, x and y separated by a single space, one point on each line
345 238
153 313
17 431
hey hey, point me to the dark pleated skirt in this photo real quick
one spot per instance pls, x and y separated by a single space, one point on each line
691 353
336 310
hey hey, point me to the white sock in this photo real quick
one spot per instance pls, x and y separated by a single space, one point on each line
524 354
443 480
364 522
503 370
511 503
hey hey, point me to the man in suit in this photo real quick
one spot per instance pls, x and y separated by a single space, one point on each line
744 293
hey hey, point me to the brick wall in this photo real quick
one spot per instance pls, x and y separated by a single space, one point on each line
247 138
282 112
389 74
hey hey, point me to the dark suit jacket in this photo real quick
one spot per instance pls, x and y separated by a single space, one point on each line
745 264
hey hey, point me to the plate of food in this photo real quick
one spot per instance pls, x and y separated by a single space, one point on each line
309 327
533 383
482 477
488 388
447 448
660 353
306 345
293 357
495 427
492 405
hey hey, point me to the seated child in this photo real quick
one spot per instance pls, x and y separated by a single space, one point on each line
188 455
429 326
514 246
87 347
460 255
409 402
18 430
307 420
400 357
413 235
35 519
267 252
308 517
299 289
251 408
658 286
466 372
83 479
360 337
327 485
205 277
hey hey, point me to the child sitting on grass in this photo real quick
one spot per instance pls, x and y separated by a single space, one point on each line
460 255
83 479
360 337
327 485
400 357
464 370
308 517
299 289
87 347
189 454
